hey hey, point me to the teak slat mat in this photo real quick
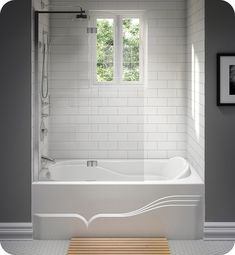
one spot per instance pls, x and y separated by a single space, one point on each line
85 246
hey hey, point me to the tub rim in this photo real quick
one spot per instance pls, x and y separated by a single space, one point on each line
194 178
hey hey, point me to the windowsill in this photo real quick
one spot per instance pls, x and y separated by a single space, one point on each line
117 85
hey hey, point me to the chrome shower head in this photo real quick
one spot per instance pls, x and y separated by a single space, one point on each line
82 14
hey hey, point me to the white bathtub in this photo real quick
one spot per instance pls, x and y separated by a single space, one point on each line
119 198
118 170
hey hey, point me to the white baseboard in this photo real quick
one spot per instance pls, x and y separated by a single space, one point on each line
212 231
219 231
16 231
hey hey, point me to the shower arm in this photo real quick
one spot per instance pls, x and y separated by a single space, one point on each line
44 5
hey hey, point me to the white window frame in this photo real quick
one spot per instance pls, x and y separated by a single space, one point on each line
117 16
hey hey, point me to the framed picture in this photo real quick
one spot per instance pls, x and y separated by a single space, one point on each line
226 79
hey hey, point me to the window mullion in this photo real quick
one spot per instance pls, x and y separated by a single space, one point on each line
121 50
118 49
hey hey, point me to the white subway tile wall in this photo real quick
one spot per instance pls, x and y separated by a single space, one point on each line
42 147
92 121
125 122
196 84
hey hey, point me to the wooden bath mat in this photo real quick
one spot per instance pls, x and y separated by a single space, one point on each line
82 246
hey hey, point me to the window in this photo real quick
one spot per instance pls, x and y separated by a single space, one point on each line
105 50
118 49
131 49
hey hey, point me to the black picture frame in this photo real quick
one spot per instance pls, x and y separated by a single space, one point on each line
219 76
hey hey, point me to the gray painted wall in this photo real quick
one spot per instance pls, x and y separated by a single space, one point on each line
220 121
15 174
15 99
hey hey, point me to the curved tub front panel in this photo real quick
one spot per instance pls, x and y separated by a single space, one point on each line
174 221
64 210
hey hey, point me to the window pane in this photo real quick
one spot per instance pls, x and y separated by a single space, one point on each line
131 49
105 50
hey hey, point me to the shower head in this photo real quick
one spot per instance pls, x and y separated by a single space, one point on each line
81 14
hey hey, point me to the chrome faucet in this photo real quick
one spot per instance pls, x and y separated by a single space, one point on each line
47 159
92 163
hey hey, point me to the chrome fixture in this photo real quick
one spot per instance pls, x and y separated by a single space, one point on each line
44 78
45 109
44 131
81 14
45 115
45 103
46 159
92 163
